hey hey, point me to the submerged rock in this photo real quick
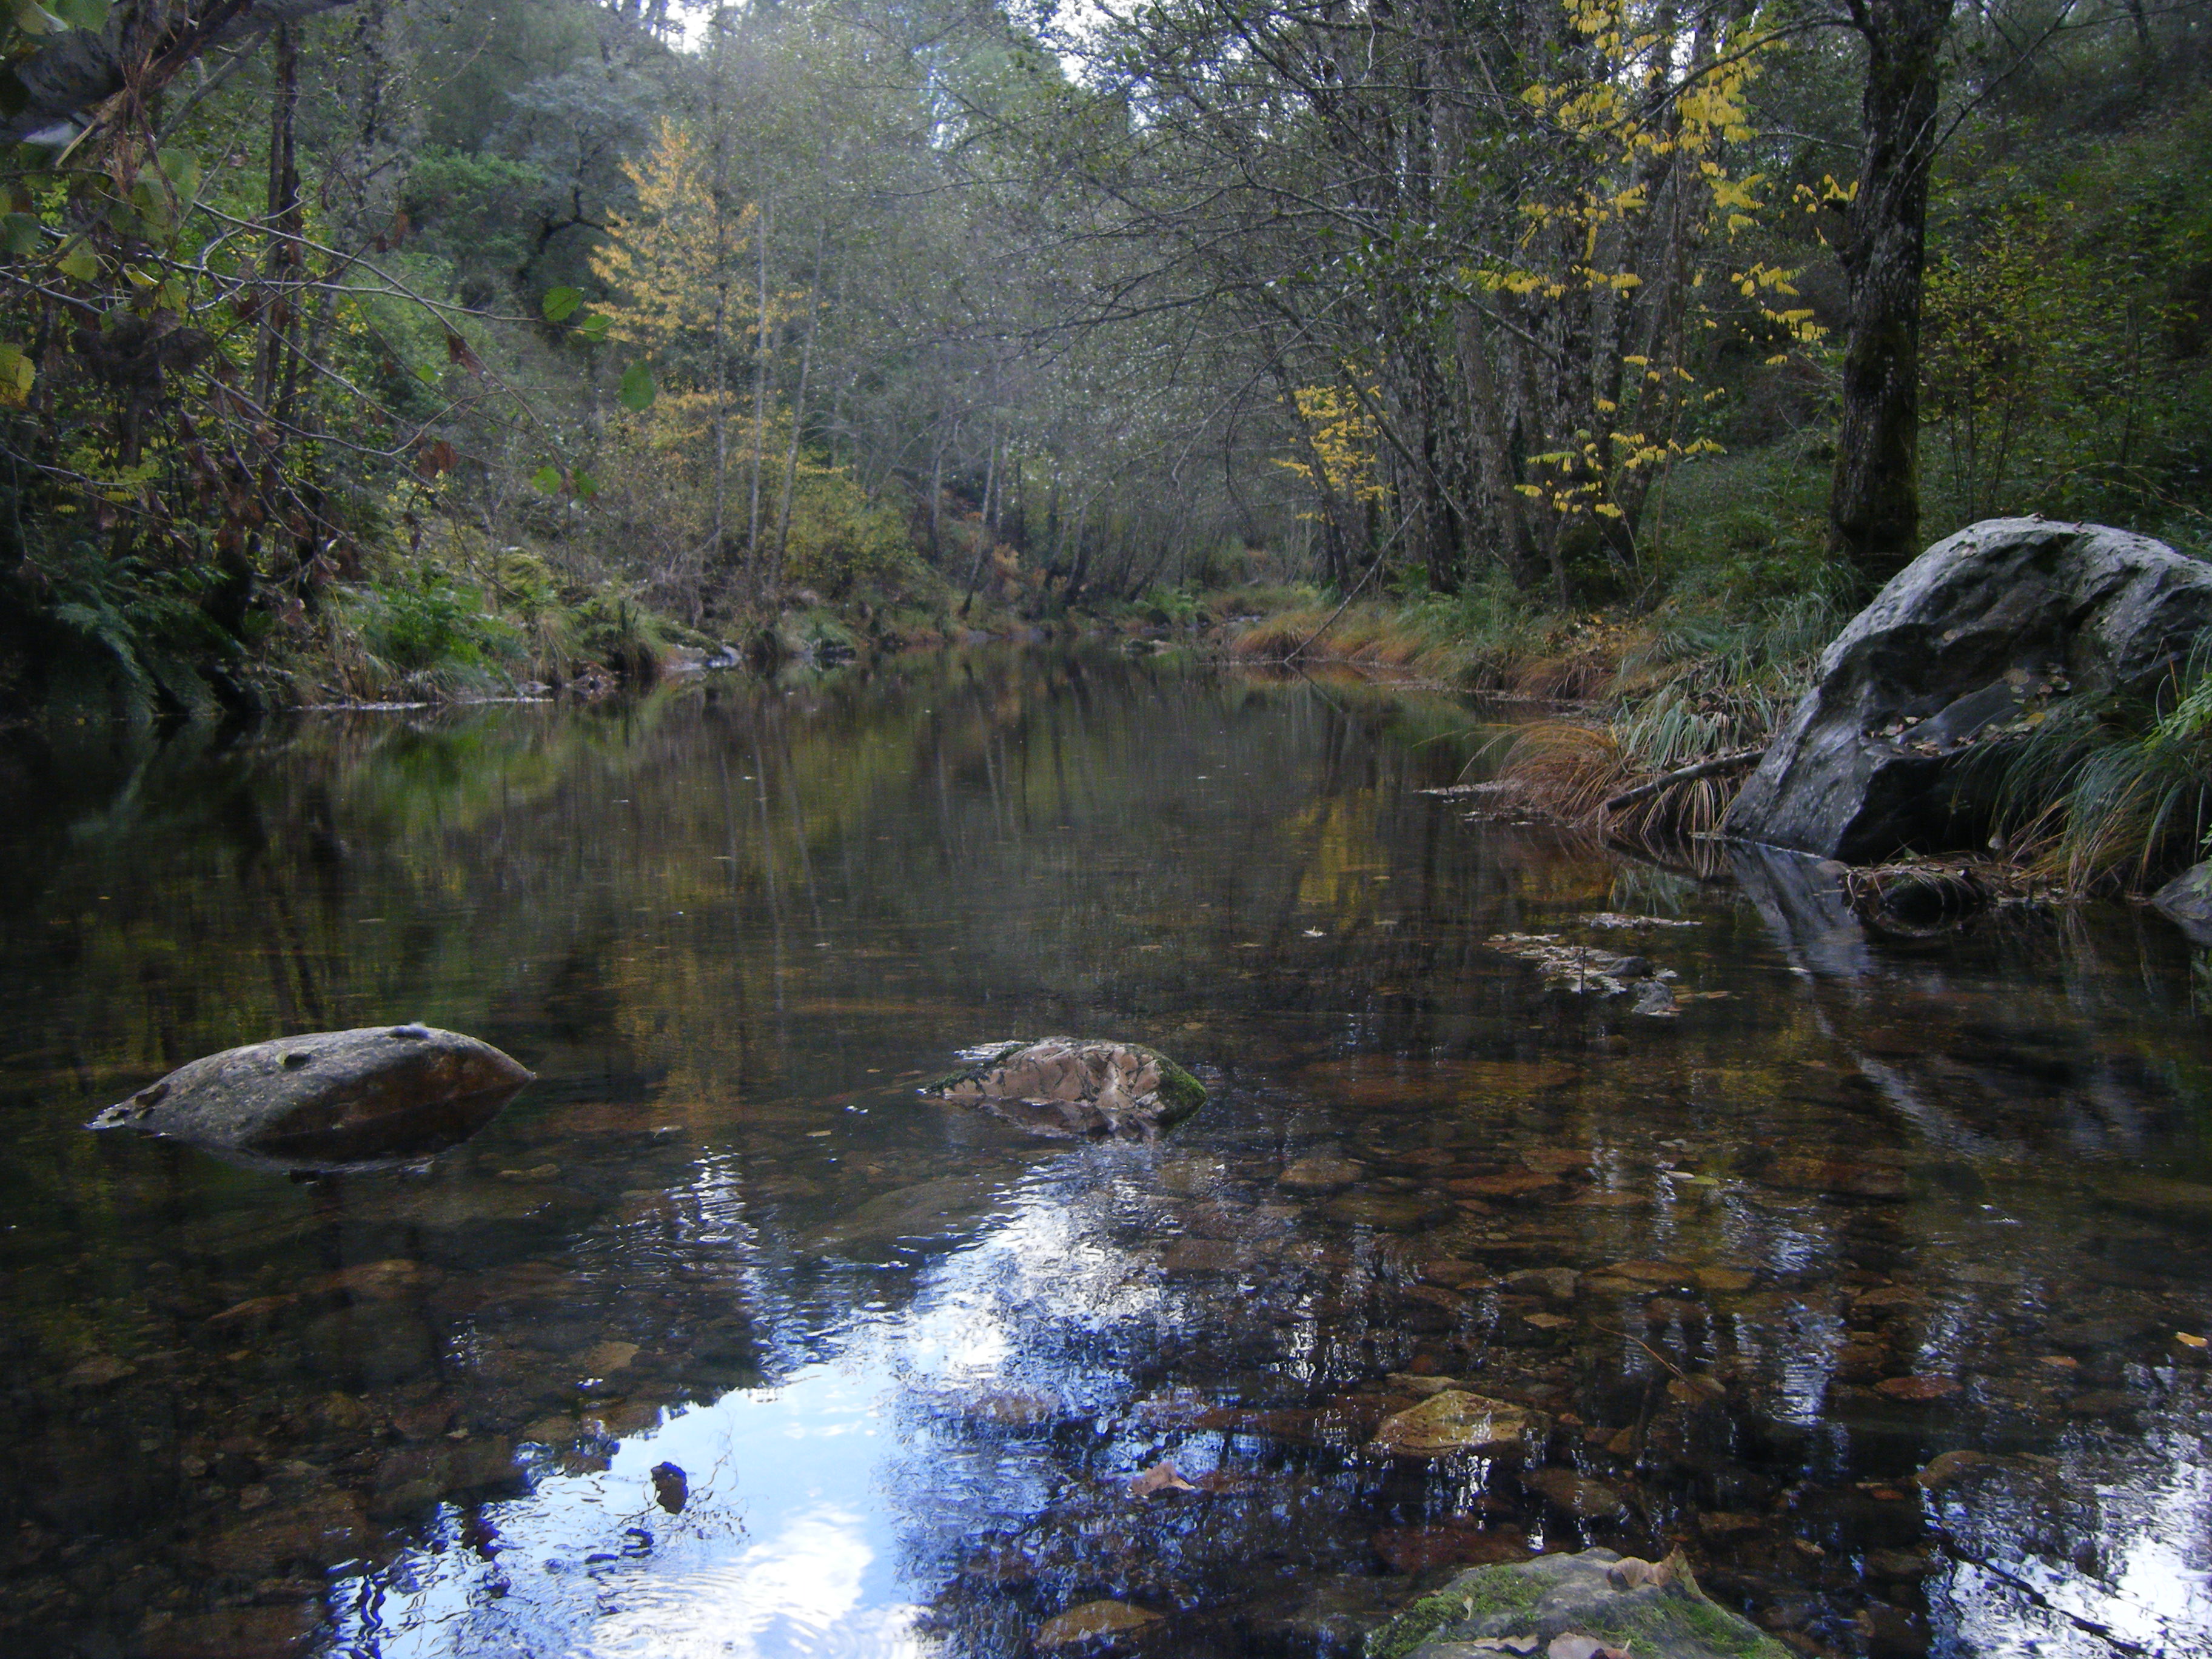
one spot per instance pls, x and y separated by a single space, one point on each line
330 1100
1653 1609
1455 1421
1974 642
1067 1088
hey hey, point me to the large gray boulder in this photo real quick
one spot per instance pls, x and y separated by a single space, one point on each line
1965 647
329 1100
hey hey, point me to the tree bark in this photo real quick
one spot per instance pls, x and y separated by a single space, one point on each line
1873 498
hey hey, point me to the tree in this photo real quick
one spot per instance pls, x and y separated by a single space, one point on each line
1874 503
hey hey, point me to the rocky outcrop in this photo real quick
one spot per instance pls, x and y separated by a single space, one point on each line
1588 1604
329 1100
1975 641
1065 1088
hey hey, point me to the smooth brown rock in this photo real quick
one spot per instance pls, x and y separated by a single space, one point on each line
329 1100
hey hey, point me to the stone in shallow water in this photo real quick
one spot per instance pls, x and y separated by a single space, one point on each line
1389 1213
1457 1421
1093 1622
329 1100
1067 1088
1559 1284
1323 1173
1574 1494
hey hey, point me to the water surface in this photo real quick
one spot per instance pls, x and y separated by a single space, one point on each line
1859 1204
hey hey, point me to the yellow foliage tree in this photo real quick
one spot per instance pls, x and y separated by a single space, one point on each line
675 263
1339 442
1647 124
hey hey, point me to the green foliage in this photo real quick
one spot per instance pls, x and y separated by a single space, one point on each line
419 632
1175 607
147 622
614 630
2064 361
840 541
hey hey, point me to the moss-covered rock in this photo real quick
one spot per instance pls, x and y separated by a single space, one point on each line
1654 1609
1064 1088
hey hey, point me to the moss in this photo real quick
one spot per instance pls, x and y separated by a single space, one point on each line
1494 1592
1686 1617
1182 1093
971 1072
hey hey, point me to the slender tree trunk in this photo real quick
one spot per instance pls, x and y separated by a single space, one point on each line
799 413
721 423
936 493
753 562
1873 499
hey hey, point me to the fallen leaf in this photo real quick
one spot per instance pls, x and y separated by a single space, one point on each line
1161 1477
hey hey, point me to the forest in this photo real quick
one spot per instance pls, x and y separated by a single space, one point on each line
1605 348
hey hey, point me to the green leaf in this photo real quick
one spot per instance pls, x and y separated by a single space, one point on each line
182 169
547 478
89 14
593 328
19 235
426 374
560 304
79 261
33 19
16 374
587 487
638 391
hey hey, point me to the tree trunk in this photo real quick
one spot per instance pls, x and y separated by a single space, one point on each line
1873 499
799 414
753 561
721 421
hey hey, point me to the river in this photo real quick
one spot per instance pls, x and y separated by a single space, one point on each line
1857 1205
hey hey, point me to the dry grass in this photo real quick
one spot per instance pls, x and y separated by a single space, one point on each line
1566 767
1406 639
1671 691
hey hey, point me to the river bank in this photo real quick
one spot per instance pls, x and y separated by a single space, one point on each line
2029 696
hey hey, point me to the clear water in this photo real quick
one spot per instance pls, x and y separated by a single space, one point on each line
913 1366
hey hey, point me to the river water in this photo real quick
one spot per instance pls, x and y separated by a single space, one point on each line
931 1386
